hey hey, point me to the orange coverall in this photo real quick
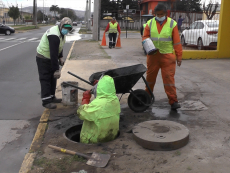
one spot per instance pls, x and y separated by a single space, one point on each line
165 62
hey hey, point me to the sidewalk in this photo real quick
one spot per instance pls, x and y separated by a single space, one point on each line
201 84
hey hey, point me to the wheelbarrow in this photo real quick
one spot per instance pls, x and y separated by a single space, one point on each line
124 79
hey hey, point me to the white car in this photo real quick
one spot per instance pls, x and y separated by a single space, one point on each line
203 33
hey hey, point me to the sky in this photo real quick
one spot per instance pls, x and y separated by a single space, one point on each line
73 4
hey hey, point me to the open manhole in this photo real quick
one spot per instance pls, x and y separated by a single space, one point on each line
161 135
73 133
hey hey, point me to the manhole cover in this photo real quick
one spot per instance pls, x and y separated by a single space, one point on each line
161 135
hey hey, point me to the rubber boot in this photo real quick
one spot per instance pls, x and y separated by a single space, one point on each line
50 106
175 106
55 100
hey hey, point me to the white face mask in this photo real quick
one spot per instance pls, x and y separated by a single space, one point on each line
160 19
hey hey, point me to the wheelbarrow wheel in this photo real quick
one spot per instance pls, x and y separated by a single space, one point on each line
135 104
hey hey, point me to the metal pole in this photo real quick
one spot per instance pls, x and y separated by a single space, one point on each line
89 17
126 21
96 20
43 10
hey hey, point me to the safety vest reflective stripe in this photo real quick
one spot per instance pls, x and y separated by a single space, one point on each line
161 39
177 43
171 23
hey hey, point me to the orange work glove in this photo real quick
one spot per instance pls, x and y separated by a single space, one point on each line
86 97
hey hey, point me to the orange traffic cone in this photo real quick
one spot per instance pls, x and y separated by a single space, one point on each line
118 41
103 42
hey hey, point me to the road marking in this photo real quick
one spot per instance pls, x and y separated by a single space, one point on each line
32 39
21 39
10 39
12 46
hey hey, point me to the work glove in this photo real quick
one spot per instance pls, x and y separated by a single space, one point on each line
86 97
61 61
57 74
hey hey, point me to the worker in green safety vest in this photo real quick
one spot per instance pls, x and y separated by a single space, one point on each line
49 57
113 28
163 32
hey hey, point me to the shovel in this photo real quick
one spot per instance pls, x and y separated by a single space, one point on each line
96 159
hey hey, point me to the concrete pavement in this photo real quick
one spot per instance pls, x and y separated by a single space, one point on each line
203 90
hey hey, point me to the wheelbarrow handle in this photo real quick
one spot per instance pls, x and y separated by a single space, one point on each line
80 78
83 89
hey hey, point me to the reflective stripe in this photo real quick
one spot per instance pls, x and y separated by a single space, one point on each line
171 24
177 43
169 85
165 39
151 27
154 38
47 98
161 39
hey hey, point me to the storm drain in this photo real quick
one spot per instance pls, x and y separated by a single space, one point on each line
73 133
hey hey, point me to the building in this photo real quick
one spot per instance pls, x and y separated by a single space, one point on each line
148 6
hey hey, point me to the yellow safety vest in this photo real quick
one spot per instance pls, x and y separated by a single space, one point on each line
113 27
44 47
162 41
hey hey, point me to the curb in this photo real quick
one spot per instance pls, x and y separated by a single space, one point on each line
37 140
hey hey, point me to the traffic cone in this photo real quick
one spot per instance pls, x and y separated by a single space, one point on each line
103 42
118 41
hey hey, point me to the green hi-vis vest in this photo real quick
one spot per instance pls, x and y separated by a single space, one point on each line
44 48
162 41
144 25
113 27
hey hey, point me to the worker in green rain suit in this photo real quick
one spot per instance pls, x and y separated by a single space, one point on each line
101 116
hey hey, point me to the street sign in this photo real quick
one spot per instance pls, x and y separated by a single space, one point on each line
127 6
150 11
133 11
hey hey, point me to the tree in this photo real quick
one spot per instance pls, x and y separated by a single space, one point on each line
68 13
40 15
210 10
55 9
14 12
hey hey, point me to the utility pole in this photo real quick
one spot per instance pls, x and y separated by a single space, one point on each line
86 14
89 17
96 26
35 13
43 11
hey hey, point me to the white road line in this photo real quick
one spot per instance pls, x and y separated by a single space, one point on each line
2 38
10 39
21 39
32 39
12 46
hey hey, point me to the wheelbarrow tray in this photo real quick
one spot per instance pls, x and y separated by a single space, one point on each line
124 78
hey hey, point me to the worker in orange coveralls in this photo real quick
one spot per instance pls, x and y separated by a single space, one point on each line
164 33
113 27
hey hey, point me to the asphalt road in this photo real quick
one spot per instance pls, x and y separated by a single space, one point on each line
20 102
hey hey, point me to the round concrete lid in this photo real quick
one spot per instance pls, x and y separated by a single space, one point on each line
161 135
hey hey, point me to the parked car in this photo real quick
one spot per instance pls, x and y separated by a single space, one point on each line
203 33
7 30
74 23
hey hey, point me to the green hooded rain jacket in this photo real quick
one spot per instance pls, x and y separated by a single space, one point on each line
101 116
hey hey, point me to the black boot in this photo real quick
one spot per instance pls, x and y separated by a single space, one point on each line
50 106
55 100
175 106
